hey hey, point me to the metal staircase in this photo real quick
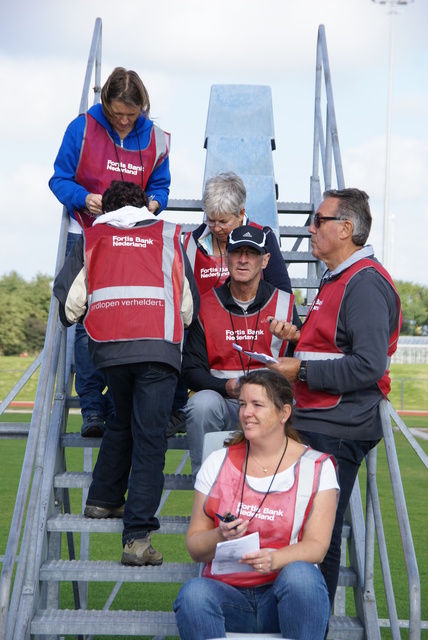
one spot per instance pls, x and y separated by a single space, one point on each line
49 482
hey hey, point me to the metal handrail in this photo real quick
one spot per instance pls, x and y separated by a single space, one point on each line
325 143
32 469
374 511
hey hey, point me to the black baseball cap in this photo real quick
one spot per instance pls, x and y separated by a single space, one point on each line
247 236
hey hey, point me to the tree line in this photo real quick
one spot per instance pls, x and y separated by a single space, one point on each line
24 310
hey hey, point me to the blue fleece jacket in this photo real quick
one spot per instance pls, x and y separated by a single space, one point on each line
63 183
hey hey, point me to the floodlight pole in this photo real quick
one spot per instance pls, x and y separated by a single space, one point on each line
386 254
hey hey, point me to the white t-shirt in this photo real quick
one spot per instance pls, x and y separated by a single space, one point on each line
283 481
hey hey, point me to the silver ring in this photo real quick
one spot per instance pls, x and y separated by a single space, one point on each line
260 566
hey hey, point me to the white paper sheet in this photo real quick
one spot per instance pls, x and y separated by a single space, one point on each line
260 357
230 551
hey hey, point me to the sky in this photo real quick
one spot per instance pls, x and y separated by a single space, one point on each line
180 49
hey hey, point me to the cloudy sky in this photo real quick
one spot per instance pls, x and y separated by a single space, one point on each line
182 48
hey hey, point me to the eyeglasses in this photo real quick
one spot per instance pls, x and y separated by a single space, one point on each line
318 219
223 224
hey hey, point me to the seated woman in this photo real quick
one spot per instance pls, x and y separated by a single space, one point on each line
271 484
224 206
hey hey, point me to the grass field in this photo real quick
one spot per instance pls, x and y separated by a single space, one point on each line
108 546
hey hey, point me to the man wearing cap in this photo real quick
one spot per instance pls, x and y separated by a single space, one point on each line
234 314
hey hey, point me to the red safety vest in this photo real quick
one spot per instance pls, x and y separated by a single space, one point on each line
135 283
318 336
210 271
251 332
282 517
98 163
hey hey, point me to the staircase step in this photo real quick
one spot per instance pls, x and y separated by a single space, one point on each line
83 479
345 628
294 207
298 256
184 205
117 623
78 523
287 231
111 571
74 439
347 577
151 623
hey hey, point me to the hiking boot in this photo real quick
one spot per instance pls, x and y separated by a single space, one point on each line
103 512
176 423
93 426
140 552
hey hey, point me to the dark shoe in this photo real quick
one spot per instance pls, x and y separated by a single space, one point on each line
176 423
140 552
93 426
103 512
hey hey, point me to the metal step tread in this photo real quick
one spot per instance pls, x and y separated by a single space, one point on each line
83 479
128 623
294 207
345 628
114 571
291 231
74 439
298 256
78 523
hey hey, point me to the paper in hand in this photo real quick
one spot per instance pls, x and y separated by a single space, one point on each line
260 357
228 554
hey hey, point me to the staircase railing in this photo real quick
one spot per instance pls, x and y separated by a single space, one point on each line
32 469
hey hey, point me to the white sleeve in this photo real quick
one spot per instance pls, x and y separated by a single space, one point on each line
328 477
208 472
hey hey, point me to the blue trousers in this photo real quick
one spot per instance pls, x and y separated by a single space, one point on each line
135 437
295 605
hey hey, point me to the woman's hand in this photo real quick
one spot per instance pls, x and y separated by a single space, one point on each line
233 530
284 330
94 203
261 560
153 206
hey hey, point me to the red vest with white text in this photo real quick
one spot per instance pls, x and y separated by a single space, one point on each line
282 517
250 331
318 336
135 283
98 162
210 271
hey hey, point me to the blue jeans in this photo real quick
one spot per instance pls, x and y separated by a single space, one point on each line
295 605
89 382
135 437
349 455
207 411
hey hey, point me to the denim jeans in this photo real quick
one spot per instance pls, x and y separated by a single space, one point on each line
349 455
135 437
295 605
207 411
89 382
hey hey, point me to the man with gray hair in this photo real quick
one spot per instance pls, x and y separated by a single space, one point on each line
340 367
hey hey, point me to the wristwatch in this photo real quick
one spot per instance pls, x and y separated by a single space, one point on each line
303 371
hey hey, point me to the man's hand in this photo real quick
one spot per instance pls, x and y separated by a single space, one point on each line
284 330
232 388
288 367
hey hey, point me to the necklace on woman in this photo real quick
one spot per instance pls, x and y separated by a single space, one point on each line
265 468
270 485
